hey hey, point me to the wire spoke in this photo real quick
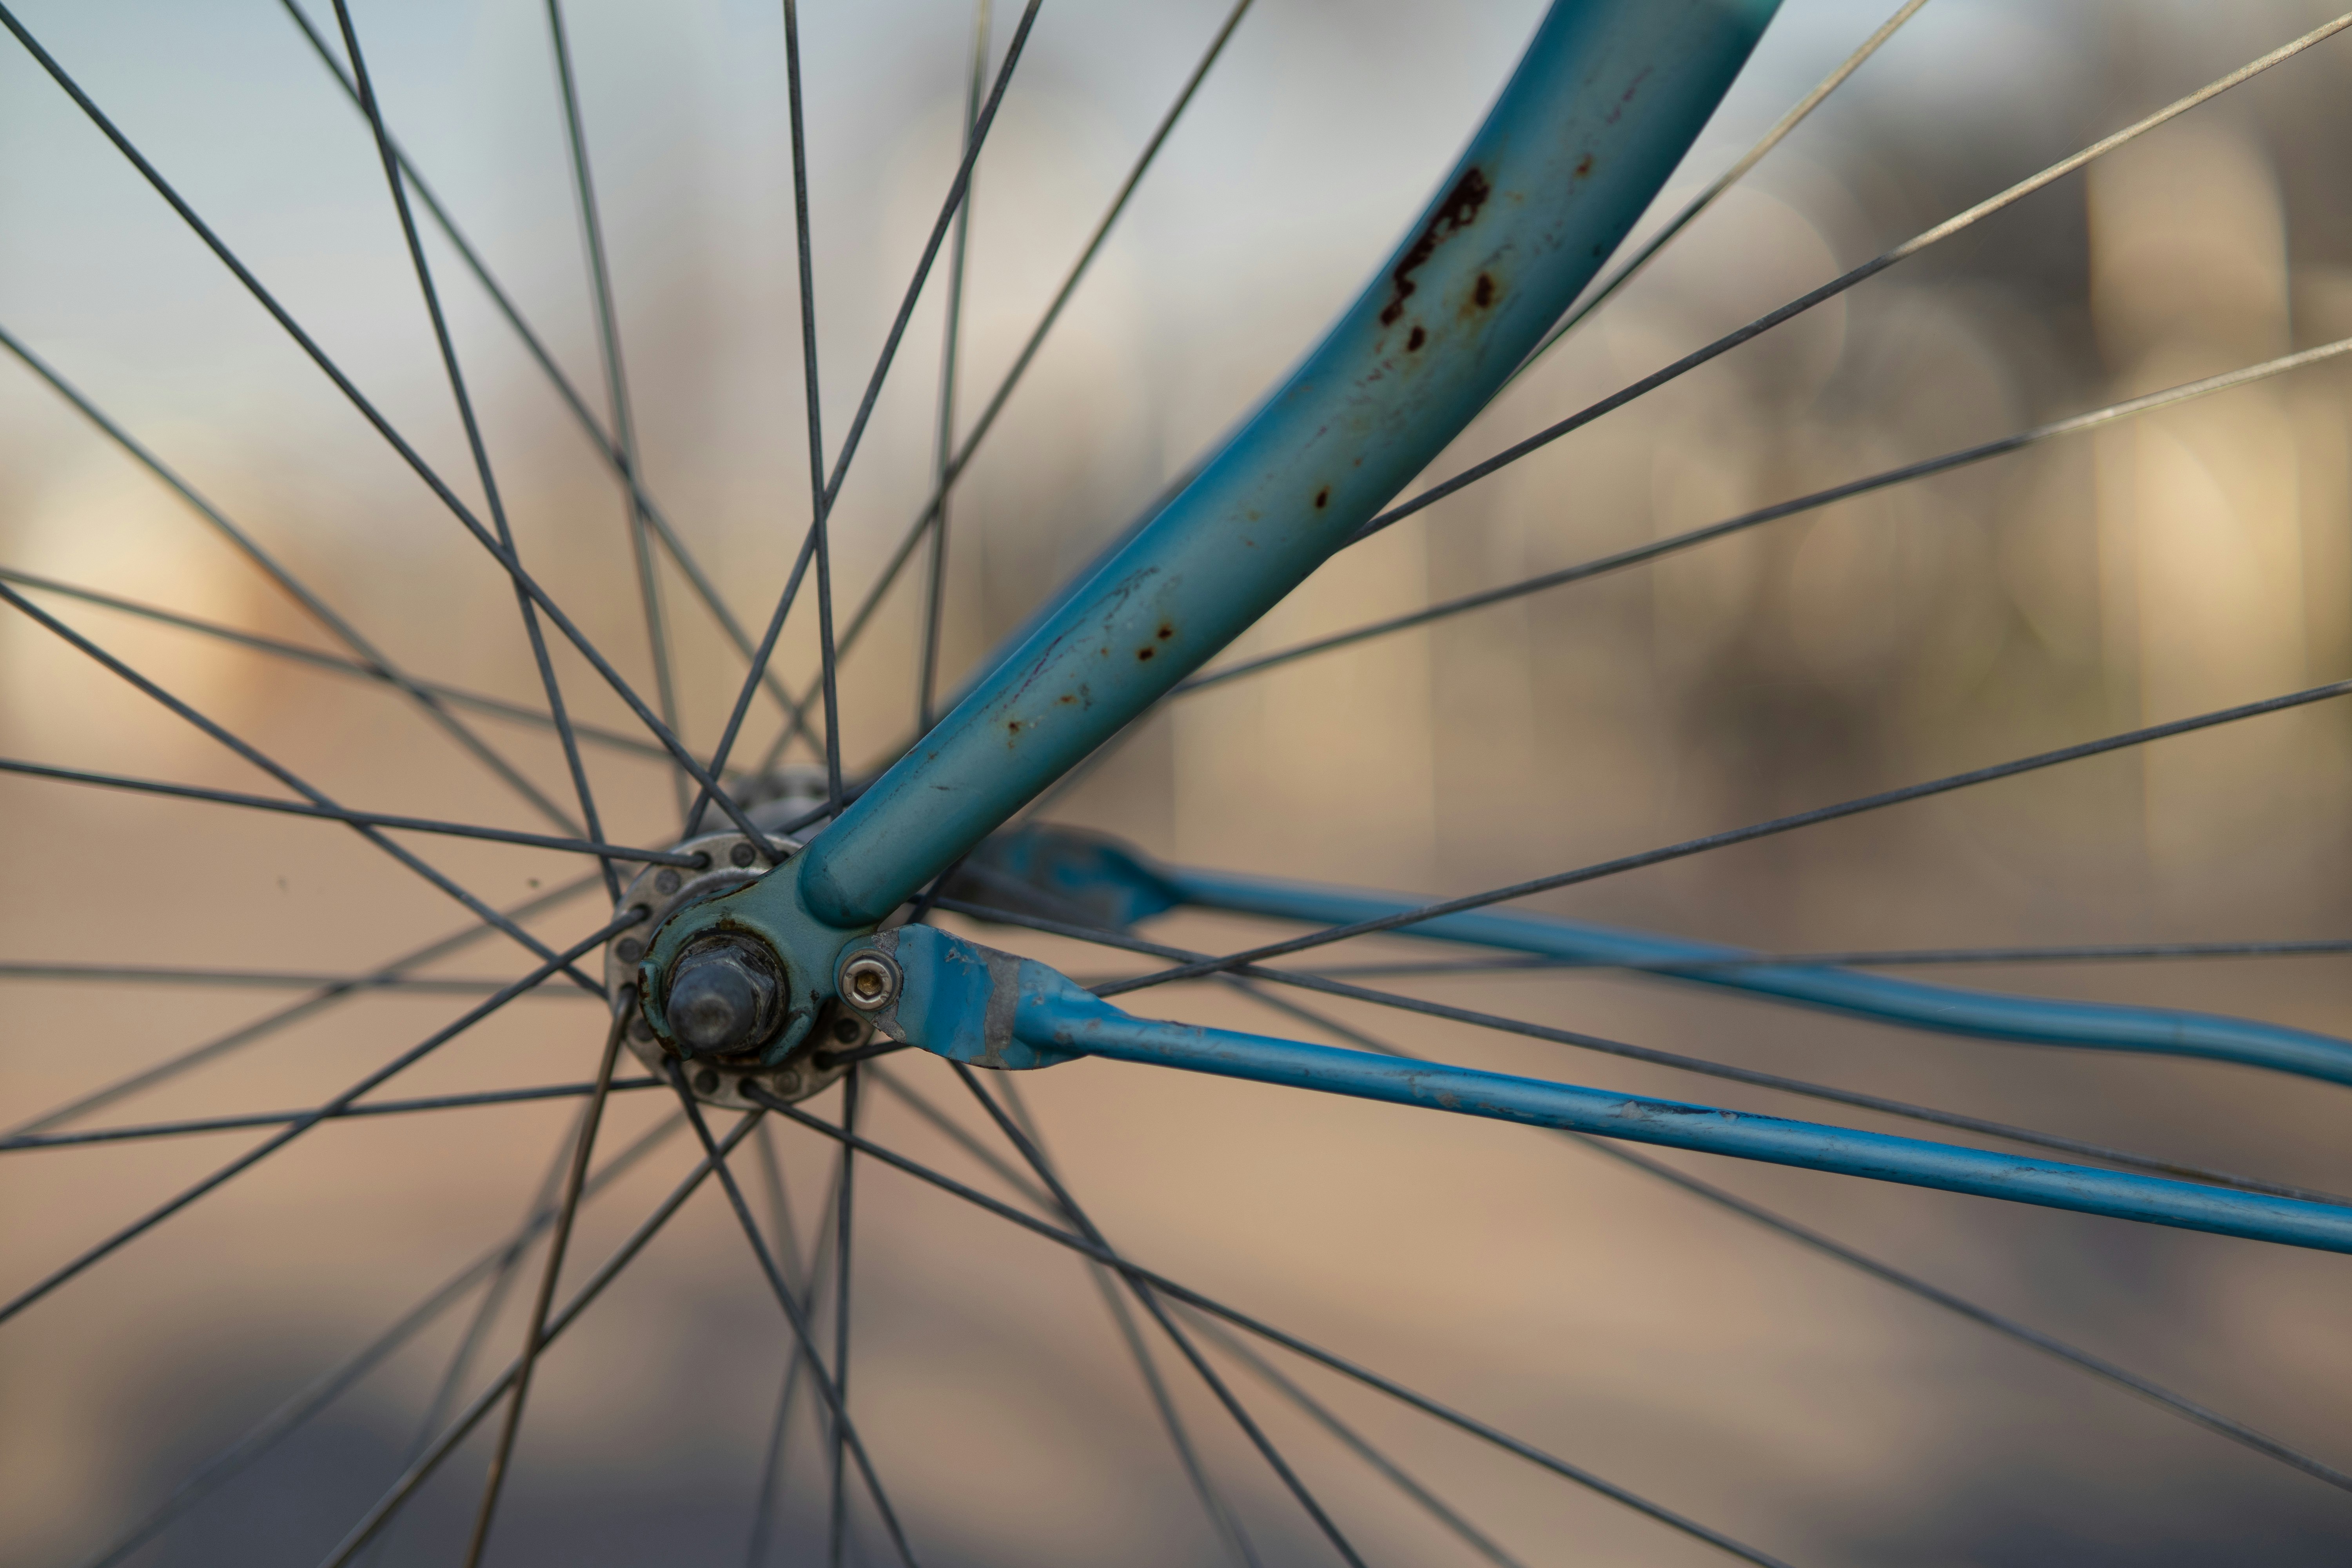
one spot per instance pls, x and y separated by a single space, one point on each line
484 1402
820 493
617 380
954 471
537 349
364 819
1222 1518
474 442
456 695
759 657
2011 1328
826 489
278 1118
1699 1065
948 209
535 1336
432 701
837 1515
408 454
329 1387
772 1479
1690 846
1352 1440
1910 1283
1839 285
1151 1303
1166 1286
927 661
311 1118
1879 958
813 542
253 755
265 980
486 1312
270 1023
825 1388
260 979
1641 553
1624 273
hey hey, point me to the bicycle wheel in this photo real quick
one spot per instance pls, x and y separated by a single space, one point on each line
1910 717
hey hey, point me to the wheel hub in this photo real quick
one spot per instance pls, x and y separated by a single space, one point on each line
730 1006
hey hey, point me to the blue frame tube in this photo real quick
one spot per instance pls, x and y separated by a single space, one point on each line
1536 1102
1946 1009
993 1009
1104 881
1607 100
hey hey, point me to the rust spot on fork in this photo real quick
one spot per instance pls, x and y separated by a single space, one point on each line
1457 211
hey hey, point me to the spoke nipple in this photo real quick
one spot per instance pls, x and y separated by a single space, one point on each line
742 855
869 981
665 881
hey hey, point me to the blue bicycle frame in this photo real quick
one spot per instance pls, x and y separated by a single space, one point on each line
1607 100
1604 106
1104 882
992 1009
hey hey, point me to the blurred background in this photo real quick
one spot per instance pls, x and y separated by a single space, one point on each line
2154 569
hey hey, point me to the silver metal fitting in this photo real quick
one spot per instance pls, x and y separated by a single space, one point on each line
869 981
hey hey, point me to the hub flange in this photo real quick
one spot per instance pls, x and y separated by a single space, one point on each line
726 990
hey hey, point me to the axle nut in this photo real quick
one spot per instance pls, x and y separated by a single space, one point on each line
721 999
869 981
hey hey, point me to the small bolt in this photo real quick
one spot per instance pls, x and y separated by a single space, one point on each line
869 981
706 1082
628 950
742 855
666 882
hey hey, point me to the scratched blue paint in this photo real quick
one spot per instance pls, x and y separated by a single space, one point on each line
946 1005
1053 1017
1605 103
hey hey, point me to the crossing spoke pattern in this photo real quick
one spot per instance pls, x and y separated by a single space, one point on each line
432 700
1642 554
1747 834
407 453
607 450
1175 1292
332 1108
1331 1479
1918 243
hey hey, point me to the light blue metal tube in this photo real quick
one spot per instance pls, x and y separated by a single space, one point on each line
1606 101
1535 1102
994 1009
2097 1025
